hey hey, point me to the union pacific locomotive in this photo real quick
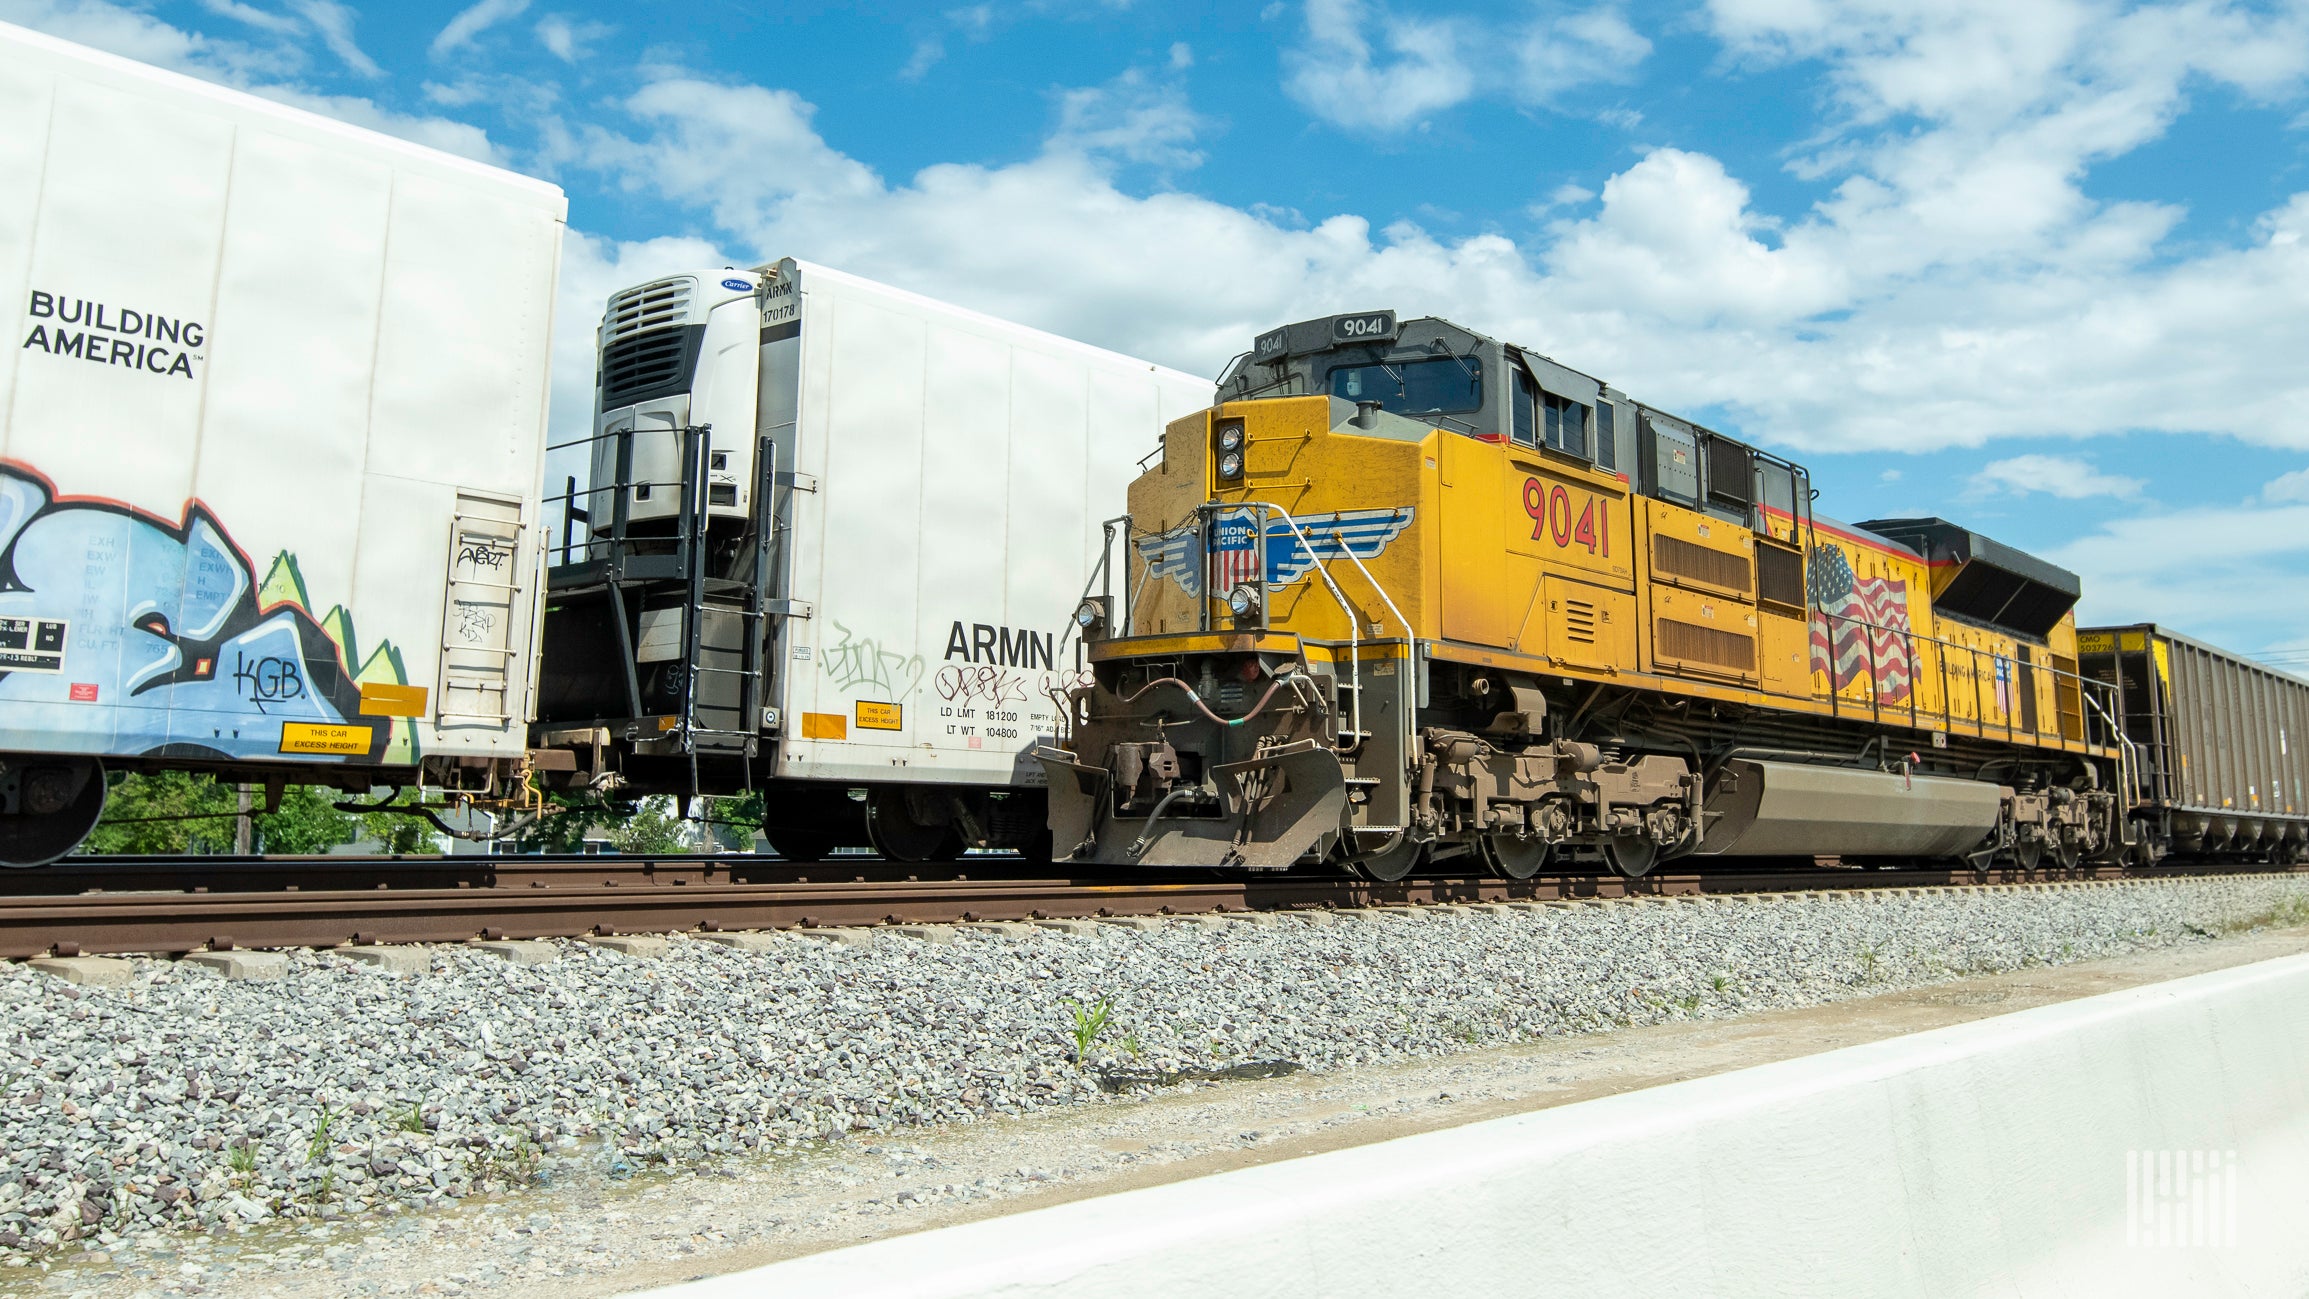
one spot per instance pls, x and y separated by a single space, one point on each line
1408 593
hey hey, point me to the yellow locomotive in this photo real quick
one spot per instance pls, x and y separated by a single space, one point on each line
1408 593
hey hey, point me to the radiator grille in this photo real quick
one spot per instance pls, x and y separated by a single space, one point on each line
1688 642
1579 622
663 305
1679 558
645 342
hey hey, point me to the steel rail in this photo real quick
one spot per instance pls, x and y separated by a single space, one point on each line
258 904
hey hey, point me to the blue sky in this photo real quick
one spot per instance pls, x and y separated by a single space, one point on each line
2040 266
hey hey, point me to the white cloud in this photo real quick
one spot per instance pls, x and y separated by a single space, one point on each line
2066 477
256 69
1130 119
1336 75
333 22
567 40
927 53
261 19
1560 55
1426 64
473 21
2236 577
2288 487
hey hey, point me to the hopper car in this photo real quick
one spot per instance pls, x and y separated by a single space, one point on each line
1408 594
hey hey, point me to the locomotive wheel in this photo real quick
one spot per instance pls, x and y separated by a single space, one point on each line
1632 855
1392 863
1516 857
60 800
798 845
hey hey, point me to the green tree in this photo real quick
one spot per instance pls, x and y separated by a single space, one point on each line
656 826
307 822
562 828
169 812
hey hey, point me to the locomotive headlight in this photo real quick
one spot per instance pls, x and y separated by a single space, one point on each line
1243 601
1231 438
1090 616
1231 466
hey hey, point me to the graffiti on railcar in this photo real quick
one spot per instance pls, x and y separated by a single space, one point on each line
167 628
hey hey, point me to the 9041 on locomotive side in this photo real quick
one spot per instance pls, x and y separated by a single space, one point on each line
1409 593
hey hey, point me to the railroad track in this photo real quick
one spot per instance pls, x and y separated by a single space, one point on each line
180 905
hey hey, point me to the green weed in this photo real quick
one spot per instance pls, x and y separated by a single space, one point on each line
1089 1023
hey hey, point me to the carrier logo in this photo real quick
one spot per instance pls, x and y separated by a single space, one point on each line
738 286
63 325
1360 534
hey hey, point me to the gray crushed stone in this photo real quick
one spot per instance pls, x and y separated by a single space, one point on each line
339 1090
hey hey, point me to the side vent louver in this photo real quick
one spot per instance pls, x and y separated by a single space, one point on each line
1674 557
1579 621
1780 576
1689 642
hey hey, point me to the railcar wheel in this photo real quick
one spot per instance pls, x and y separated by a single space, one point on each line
2026 853
897 834
1516 857
1393 862
798 845
1632 855
55 803
2065 855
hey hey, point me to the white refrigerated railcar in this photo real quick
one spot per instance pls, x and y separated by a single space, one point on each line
272 418
834 535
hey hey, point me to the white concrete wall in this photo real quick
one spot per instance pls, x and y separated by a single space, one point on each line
1988 1158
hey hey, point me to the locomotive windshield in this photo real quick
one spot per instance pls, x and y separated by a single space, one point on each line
1443 385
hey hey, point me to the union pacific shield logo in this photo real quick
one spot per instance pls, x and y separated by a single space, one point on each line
1235 549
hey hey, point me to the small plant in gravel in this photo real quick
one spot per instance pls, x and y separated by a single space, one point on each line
413 1120
317 1149
1131 1047
1871 957
241 1156
1089 1023
1720 981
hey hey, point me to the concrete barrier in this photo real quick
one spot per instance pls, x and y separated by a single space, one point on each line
2028 1154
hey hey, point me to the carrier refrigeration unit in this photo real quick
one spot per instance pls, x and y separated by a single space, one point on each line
272 428
825 541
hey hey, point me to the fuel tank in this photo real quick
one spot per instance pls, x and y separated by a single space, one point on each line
1794 809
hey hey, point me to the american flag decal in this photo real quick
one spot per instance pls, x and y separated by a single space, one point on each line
1855 616
1234 550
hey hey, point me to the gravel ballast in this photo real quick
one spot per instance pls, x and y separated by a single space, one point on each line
341 1088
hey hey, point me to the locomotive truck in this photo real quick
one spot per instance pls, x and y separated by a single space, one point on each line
1408 593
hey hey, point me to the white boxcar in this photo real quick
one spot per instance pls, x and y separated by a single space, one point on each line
935 480
271 439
